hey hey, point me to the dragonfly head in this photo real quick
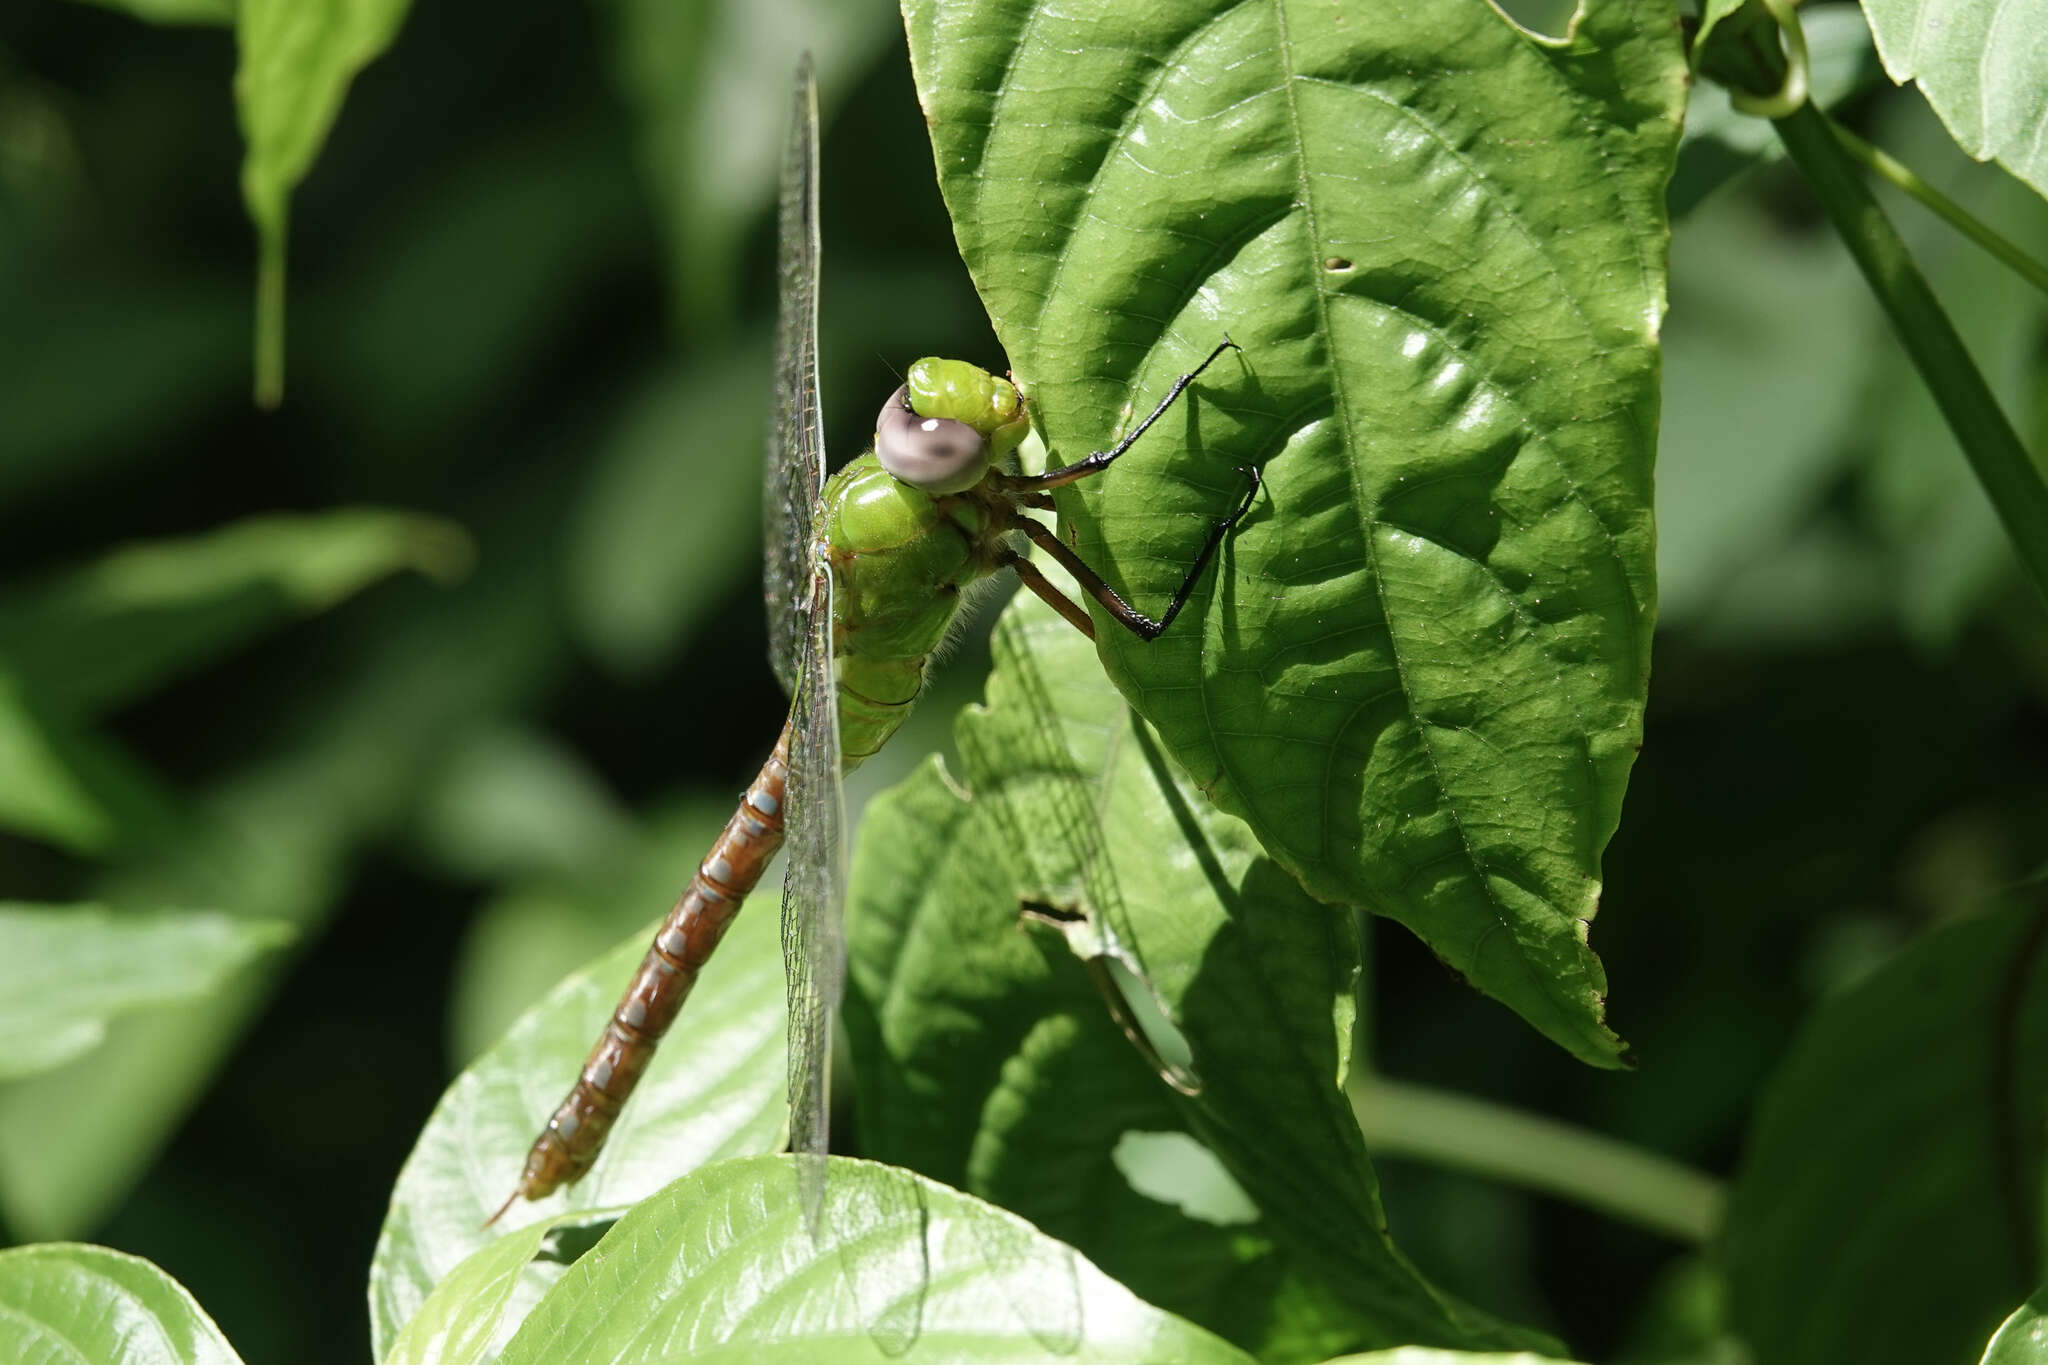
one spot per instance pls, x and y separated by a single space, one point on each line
947 424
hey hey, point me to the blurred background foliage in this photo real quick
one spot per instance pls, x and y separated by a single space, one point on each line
451 659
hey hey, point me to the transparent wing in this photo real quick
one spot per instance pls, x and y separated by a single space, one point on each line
888 1287
814 882
796 440
888 1290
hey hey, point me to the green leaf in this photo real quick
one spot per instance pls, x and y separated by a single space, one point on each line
947 998
716 1090
174 11
73 1139
477 1307
1984 67
1888 1207
1423 1355
144 615
1418 668
63 1301
297 59
722 1265
2023 1339
66 971
274 841
1066 799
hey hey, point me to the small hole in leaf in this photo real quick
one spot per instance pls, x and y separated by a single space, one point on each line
1175 1169
1336 263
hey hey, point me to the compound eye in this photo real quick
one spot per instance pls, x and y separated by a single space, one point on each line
935 453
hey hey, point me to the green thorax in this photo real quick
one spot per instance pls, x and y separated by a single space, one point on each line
902 545
899 557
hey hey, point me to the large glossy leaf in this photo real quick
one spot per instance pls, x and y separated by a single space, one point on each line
722 1265
62 1302
297 59
2023 1338
477 1306
1418 669
715 1091
1984 66
987 1059
1423 1355
142 616
67 970
1066 799
1888 1207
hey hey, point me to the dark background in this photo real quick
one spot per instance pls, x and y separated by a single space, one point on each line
1846 733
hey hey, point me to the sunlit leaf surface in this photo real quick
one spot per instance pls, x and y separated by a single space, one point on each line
477 1306
62 1303
722 1266
1423 1355
2023 1338
1418 670
716 1090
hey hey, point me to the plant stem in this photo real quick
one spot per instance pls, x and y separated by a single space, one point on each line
1906 179
1541 1154
270 266
2003 466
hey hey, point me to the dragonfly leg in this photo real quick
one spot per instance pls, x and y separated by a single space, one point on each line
1129 617
1057 600
1082 468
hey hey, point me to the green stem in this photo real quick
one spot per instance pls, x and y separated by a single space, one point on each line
270 315
2003 466
1976 229
1536 1153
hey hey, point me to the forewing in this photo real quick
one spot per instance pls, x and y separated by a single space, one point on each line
796 441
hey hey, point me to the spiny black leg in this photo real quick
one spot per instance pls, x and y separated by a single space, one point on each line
1066 606
1131 619
1082 468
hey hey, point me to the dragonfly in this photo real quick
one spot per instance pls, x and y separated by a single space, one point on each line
864 575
